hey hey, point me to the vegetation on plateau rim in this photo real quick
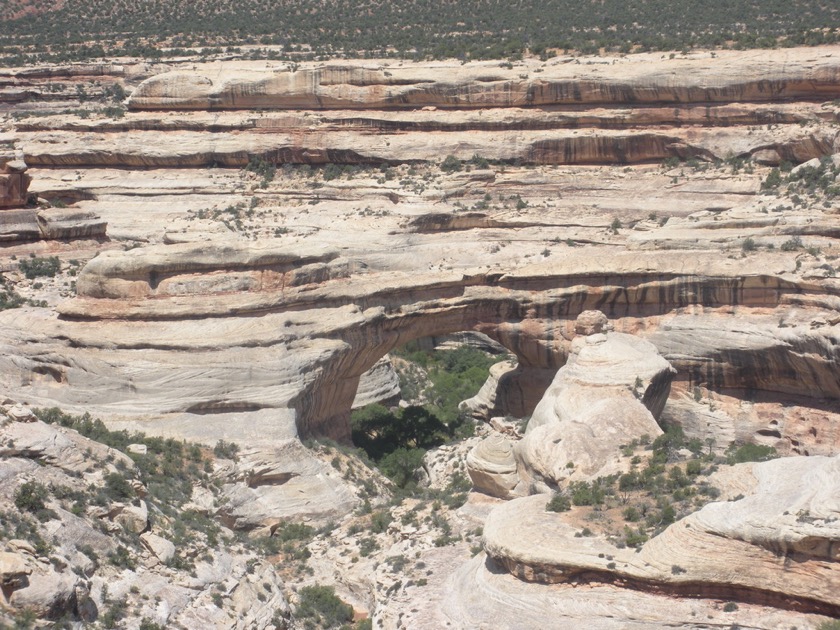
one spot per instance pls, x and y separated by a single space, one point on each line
657 491
479 29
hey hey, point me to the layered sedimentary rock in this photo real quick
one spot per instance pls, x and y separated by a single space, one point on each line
777 545
33 224
480 593
632 109
256 305
67 223
360 315
492 468
380 384
14 182
727 77
308 143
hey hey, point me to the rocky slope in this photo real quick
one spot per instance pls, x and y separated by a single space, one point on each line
85 539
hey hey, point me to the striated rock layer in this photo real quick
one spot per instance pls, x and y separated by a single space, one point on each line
778 545
256 306
262 327
14 182
767 76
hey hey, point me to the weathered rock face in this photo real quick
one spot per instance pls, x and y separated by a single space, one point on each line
491 466
380 384
605 395
320 143
604 364
778 545
363 314
75 558
68 223
728 77
639 108
14 182
55 446
32 224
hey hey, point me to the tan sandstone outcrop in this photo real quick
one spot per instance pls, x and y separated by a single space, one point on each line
726 77
229 305
14 182
609 392
777 545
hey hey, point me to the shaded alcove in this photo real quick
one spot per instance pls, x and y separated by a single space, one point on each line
540 347
536 324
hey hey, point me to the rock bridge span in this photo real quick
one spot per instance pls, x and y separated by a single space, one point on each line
228 329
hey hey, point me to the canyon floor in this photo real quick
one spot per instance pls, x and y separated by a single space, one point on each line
228 252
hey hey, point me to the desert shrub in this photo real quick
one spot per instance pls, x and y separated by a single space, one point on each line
399 466
479 162
332 171
39 267
451 164
666 445
631 514
9 298
115 612
379 521
559 502
323 606
634 538
264 169
31 497
122 558
693 468
750 453
585 493
294 531
117 487
226 450
792 244
773 180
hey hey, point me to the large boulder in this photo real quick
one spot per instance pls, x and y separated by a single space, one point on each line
609 392
492 466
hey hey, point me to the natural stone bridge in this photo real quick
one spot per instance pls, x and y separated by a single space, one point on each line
240 328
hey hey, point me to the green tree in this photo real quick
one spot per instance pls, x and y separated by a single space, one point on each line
323 606
31 497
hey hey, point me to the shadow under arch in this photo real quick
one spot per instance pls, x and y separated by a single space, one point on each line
533 317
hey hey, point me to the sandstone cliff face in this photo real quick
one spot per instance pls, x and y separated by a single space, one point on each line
628 110
729 77
610 391
321 144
